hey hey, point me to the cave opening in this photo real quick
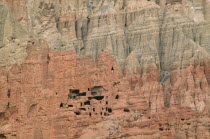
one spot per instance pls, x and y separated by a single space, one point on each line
96 88
73 93
109 110
2 136
117 97
112 69
8 104
70 106
82 94
98 97
8 93
161 129
77 113
87 103
84 109
61 105
93 93
126 110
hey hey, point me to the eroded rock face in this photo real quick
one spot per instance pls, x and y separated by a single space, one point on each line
104 69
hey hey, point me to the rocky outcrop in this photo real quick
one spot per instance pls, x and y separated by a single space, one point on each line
104 69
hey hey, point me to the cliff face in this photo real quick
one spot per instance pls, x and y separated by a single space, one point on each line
104 69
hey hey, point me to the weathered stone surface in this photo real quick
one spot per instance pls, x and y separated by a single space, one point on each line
104 69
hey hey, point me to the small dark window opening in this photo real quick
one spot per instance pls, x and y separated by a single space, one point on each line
88 89
149 117
117 97
2 136
81 104
182 119
106 109
98 97
73 93
8 93
70 105
82 94
76 91
87 103
109 110
101 113
161 129
93 93
61 105
188 124
90 114
112 69
89 98
126 110
102 108
93 109
77 113
8 104
84 109
106 102
56 93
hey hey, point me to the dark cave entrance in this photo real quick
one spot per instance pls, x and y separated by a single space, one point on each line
61 105
117 97
2 136
87 103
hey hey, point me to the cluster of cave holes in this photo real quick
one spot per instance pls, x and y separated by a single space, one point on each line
162 129
95 95
106 112
166 128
